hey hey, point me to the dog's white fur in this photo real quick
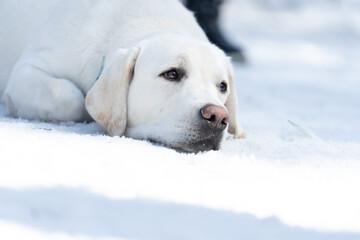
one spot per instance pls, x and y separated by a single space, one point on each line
51 53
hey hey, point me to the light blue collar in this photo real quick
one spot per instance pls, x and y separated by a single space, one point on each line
102 68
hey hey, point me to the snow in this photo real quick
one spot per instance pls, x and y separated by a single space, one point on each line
295 176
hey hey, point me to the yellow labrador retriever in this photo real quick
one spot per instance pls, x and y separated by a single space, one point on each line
140 68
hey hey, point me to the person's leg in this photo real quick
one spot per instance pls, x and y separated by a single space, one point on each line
207 14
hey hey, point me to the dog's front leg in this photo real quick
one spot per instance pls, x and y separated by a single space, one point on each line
33 93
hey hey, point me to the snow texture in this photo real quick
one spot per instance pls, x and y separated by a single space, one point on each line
295 176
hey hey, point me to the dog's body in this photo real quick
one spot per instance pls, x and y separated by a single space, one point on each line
53 52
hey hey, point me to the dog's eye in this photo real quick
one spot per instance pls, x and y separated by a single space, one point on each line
172 75
223 87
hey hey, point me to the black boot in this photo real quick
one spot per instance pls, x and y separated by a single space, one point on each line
207 14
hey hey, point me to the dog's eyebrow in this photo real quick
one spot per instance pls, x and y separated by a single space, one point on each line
181 62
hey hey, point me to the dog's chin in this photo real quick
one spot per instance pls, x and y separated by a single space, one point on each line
199 145
196 141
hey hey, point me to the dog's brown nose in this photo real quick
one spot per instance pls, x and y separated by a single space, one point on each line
217 116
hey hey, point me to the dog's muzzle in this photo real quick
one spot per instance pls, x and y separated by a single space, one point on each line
213 122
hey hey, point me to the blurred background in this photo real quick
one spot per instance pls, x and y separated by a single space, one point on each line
316 34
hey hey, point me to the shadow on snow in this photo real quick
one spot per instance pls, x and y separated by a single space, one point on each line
77 211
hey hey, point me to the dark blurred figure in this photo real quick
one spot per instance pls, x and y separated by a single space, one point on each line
207 15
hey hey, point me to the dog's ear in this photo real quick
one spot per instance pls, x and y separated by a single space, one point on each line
106 101
231 105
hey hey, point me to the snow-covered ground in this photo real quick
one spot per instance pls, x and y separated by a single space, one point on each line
295 176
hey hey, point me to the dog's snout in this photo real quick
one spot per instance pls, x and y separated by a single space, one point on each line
217 116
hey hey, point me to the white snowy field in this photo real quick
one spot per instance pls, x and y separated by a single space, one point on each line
295 176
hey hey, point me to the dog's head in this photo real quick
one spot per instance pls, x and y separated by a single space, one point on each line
171 89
